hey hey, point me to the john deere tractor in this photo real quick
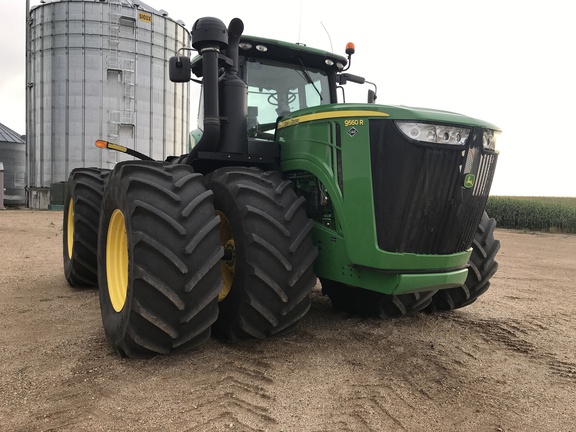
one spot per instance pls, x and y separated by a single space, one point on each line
282 186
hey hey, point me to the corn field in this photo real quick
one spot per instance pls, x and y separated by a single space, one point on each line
534 213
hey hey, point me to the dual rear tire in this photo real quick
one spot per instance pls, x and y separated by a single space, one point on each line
181 256
158 259
82 207
268 267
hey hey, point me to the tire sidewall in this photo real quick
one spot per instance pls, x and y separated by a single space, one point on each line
271 285
66 257
482 267
115 323
70 195
83 191
226 203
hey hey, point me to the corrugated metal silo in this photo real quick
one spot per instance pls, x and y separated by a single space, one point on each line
99 70
13 159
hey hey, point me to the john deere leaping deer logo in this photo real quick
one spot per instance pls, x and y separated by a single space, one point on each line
469 181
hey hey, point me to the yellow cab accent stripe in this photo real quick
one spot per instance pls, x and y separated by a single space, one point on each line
329 115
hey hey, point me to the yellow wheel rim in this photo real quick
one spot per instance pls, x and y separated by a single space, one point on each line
229 261
70 228
117 260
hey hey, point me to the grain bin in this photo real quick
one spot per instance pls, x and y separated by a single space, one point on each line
99 70
13 159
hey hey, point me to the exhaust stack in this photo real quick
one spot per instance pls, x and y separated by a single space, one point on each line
233 98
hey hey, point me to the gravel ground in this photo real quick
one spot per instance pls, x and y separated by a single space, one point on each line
505 363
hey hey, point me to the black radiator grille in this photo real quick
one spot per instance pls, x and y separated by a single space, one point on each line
420 200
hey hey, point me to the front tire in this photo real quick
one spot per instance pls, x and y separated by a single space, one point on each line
359 301
268 267
80 225
159 257
482 267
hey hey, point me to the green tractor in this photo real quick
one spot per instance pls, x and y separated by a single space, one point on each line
282 186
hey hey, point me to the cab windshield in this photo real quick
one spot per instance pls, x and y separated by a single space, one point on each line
276 89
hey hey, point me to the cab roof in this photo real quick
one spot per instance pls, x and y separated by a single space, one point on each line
256 47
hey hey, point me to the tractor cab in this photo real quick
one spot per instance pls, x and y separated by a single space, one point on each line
249 85
282 78
276 89
260 81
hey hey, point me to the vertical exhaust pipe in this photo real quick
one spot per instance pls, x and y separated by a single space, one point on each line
233 98
235 29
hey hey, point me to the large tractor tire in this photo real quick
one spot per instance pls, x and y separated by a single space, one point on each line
359 301
482 268
269 253
82 207
158 259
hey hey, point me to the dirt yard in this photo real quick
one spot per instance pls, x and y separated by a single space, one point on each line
506 363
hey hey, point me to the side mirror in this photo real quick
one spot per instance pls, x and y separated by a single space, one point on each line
180 69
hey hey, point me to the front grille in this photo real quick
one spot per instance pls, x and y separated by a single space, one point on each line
420 201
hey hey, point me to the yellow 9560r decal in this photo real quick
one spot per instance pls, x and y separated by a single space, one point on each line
354 122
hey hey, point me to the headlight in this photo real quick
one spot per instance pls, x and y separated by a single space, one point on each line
489 139
434 133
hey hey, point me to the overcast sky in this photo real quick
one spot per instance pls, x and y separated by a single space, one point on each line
512 63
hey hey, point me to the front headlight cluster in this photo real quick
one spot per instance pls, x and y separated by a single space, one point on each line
445 134
489 139
434 133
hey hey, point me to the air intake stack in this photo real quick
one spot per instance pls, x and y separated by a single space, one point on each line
209 37
225 96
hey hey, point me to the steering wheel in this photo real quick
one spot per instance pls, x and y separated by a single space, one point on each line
273 98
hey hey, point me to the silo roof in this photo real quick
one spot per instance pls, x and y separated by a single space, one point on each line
137 4
8 135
